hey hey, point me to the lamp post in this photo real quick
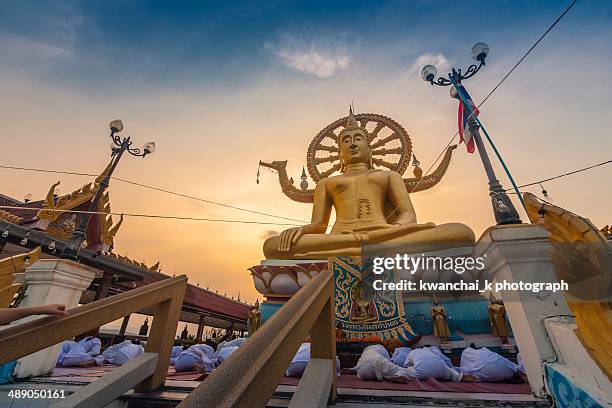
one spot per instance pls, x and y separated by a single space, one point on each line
118 147
504 210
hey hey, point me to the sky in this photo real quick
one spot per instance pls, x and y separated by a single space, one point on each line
221 85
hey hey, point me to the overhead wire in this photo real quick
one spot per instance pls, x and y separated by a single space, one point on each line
501 81
566 174
171 217
74 173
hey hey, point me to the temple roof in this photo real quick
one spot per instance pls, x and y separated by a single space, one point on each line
55 214
50 219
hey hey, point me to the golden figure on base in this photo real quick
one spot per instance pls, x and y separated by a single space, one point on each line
340 333
497 316
440 321
254 319
372 206
363 309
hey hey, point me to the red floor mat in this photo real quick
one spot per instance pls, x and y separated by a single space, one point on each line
432 385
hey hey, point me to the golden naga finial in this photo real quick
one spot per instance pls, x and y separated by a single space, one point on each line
103 174
49 215
113 231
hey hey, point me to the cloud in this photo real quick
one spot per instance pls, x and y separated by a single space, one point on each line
442 63
311 57
21 48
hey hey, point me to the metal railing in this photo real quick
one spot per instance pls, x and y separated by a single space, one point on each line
250 376
167 296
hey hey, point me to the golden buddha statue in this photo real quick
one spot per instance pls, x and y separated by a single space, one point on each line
372 206
440 321
363 308
497 316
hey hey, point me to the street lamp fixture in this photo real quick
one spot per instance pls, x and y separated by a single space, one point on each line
118 147
479 54
504 210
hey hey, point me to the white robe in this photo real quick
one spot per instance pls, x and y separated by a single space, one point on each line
487 365
111 351
424 363
224 353
300 361
232 343
122 353
199 354
85 351
439 353
176 351
375 364
399 355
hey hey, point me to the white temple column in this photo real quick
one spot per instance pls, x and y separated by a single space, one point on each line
521 253
51 281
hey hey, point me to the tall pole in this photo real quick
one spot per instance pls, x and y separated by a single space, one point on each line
503 208
72 248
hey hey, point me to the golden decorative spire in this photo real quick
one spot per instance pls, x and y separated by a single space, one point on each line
103 174
49 215
113 231
351 122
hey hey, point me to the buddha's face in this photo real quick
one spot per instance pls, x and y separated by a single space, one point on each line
354 147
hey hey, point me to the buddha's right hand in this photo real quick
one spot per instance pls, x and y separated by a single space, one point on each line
289 237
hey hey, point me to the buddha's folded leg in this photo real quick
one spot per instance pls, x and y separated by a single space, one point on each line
315 246
424 233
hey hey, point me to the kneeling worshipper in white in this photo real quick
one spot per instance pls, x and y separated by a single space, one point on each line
174 353
439 353
122 353
85 353
199 357
224 353
487 365
232 343
300 361
424 363
375 364
399 355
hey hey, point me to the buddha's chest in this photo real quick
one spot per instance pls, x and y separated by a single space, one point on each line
362 194
349 185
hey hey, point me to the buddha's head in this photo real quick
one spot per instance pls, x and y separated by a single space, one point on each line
354 144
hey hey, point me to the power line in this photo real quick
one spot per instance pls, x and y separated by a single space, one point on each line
566 174
74 173
500 83
171 217
529 50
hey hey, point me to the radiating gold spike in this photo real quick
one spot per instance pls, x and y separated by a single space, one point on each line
104 173
383 141
331 149
113 231
382 152
332 136
334 168
381 162
363 123
378 128
327 159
